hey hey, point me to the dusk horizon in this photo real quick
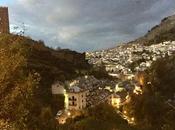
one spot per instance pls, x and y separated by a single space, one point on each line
87 26
87 65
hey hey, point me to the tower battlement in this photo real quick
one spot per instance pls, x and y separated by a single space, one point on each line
3 7
4 20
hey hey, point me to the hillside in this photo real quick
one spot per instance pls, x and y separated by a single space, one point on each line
155 108
153 57
28 69
165 31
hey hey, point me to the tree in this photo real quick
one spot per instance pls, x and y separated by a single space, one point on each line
16 86
100 117
151 110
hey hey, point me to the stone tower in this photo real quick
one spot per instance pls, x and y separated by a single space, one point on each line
4 20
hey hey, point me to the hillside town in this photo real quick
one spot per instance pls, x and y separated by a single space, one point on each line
125 63
131 58
129 86
84 92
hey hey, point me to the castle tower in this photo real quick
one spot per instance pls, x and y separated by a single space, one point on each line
4 20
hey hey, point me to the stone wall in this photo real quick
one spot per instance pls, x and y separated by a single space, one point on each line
71 56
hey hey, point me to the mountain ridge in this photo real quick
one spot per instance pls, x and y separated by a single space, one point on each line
165 31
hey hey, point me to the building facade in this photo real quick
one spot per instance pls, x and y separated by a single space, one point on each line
4 20
77 99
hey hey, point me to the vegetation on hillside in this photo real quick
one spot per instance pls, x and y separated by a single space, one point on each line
155 108
165 31
101 117
27 71
163 36
17 86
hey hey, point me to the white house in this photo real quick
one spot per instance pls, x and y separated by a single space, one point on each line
57 88
77 98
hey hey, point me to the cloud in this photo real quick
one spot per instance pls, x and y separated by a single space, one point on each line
85 25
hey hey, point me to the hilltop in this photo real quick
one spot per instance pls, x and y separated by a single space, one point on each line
140 53
165 31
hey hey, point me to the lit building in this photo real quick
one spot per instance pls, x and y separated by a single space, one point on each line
137 90
84 92
116 100
77 98
62 116
62 119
